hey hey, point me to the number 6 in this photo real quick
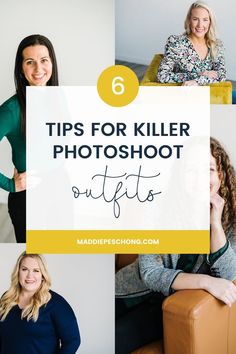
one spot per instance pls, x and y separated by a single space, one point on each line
118 85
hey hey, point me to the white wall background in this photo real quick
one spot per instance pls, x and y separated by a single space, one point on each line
82 32
87 283
223 125
143 26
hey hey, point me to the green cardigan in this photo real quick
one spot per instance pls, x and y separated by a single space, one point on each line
10 128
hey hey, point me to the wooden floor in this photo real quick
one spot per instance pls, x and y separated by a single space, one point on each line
140 69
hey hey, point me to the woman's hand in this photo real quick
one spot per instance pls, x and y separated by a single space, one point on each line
210 73
190 83
217 206
218 238
222 289
20 181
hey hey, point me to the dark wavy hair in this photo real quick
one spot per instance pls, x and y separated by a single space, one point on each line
20 80
228 184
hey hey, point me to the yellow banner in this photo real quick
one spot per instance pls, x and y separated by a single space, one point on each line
118 241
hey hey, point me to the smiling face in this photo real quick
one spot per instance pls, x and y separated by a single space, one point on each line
199 22
37 65
214 177
30 275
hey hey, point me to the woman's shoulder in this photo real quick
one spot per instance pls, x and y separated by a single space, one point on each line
60 306
231 235
129 282
177 44
11 102
56 297
219 44
58 300
219 41
174 38
11 105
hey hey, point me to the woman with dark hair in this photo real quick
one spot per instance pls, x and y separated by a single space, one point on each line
33 318
197 56
142 286
35 65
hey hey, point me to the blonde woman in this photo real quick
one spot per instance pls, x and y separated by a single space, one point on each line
34 319
197 56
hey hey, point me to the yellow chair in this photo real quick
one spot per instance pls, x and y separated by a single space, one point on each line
221 92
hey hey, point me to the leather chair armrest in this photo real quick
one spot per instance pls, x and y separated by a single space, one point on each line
152 348
197 323
122 260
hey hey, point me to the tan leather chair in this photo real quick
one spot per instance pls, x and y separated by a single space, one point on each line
221 92
194 323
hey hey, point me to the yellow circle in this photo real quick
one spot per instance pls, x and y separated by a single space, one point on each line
117 85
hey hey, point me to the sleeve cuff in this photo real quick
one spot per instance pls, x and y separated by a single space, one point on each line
171 291
12 185
8 184
212 257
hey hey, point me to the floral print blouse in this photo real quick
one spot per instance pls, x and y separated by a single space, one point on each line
182 63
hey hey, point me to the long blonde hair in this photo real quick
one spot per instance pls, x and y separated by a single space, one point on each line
41 296
211 41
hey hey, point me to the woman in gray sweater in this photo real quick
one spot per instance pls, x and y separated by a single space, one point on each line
142 286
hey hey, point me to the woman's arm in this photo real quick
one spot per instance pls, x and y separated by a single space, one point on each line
15 184
161 279
222 258
6 183
222 289
218 72
157 271
19 181
166 72
218 238
66 326
219 63
128 281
